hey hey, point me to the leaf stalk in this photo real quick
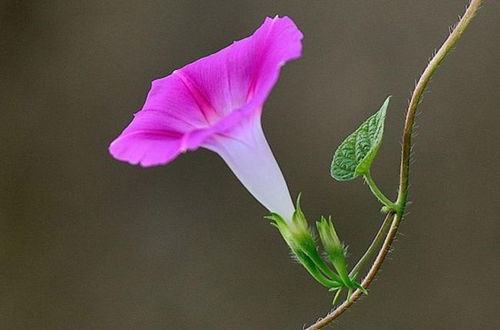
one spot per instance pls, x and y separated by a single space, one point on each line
378 193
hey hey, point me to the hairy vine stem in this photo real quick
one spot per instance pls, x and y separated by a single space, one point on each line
418 92
404 169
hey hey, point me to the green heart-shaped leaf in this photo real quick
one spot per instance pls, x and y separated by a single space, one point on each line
355 155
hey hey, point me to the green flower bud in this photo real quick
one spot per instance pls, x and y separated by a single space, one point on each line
334 248
329 238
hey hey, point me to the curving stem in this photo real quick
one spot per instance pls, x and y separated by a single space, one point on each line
405 161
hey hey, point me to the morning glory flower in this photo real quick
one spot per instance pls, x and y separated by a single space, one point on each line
216 103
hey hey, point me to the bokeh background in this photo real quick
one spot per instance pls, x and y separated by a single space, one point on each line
87 242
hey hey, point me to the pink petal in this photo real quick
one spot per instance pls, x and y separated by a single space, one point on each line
208 97
147 141
246 71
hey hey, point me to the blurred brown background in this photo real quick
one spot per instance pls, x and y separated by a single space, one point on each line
87 242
